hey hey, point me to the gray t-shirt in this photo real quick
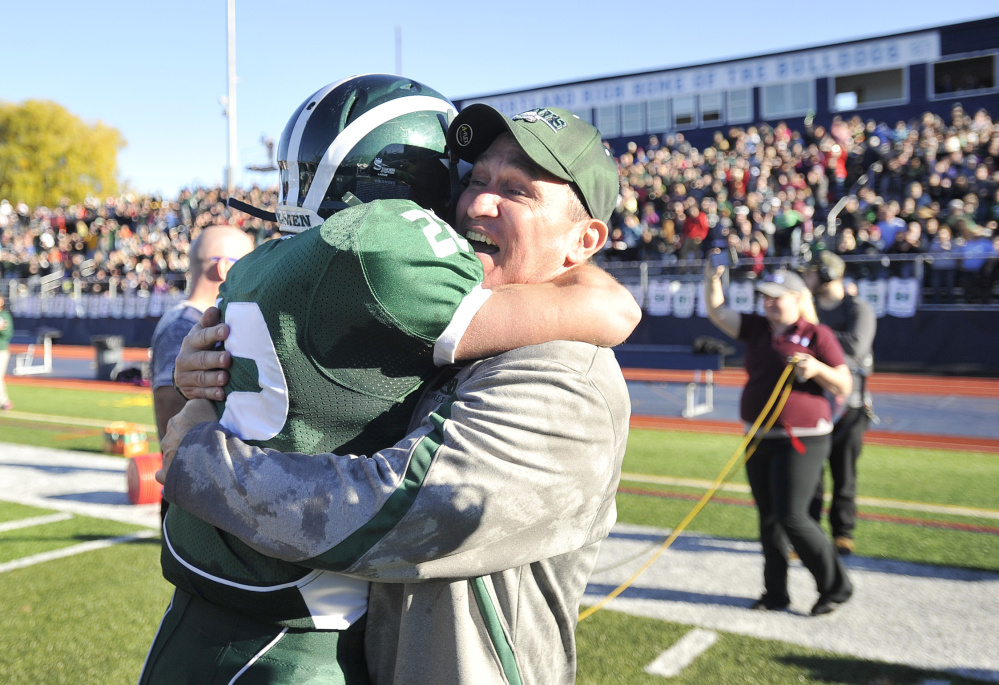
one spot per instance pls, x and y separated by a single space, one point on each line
167 337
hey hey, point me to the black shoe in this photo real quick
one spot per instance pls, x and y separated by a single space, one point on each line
764 604
827 606
844 545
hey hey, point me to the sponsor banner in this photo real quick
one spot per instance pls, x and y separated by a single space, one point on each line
684 298
903 294
660 298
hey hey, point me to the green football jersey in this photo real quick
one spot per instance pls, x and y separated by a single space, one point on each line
331 332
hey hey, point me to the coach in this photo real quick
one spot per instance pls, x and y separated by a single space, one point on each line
480 528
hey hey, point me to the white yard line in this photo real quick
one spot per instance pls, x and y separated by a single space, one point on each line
74 550
671 663
35 521
925 507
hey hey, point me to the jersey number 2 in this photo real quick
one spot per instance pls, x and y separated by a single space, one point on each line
445 247
262 414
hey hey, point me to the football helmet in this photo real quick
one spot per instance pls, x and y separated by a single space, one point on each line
360 139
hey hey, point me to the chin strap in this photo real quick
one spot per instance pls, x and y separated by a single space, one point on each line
241 206
456 187
456 190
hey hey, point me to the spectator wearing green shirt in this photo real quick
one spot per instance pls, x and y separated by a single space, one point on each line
6 332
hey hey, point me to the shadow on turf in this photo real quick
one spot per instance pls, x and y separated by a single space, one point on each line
696 543
60 470
664 595
82 538
909 568
692 543
97 497
833 669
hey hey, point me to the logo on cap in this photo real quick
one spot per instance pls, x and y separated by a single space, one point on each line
463 136
531 116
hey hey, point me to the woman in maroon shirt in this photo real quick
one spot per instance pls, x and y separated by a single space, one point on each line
789 460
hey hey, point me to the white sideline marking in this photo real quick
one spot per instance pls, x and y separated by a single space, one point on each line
70 420
927 507
671 663
36 521
74 550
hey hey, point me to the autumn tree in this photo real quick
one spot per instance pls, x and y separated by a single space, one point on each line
48 153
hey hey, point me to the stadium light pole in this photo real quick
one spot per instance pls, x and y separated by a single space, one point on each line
230 109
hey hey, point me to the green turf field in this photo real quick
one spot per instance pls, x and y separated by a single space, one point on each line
74 419
89 617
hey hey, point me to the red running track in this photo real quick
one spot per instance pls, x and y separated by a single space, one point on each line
903 384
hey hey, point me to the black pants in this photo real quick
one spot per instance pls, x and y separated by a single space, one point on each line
847 442
783 484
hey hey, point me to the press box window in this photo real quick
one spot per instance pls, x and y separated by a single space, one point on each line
632 121
608 120
657 112
711 108
740 106
685 111
857 91
959 76
788 99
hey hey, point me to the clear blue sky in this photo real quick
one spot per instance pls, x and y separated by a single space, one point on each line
155 70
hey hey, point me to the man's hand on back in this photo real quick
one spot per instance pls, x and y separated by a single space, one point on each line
200 370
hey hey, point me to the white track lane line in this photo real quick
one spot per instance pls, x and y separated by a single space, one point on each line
671 663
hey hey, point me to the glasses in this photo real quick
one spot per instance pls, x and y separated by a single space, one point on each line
231 260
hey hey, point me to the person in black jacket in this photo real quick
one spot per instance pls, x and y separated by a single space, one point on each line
853 321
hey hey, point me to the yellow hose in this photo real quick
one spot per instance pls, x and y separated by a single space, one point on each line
714 486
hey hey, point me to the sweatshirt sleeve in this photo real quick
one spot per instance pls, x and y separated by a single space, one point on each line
519 463
858 339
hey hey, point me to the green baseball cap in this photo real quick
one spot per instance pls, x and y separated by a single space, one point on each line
555 139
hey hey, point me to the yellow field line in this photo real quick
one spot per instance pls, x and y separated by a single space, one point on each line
68 420
907 505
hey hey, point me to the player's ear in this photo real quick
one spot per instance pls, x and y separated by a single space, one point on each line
223 268
589 236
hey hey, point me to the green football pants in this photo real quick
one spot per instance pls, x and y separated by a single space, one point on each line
201 643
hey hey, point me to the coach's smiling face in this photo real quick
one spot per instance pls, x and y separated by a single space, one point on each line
521 220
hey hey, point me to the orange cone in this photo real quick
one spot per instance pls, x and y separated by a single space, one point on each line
141 477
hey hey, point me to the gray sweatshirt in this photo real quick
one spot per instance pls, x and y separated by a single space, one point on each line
479 530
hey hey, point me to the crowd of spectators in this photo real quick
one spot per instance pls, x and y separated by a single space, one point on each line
922 197
126 243
921 192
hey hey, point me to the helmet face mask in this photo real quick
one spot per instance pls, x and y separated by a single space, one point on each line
364 138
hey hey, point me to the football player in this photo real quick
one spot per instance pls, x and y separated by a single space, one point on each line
331 332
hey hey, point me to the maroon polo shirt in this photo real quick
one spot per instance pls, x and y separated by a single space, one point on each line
765 360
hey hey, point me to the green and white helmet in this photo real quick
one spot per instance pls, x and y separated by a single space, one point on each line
364 138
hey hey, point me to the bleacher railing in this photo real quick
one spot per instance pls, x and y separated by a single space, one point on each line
894 284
